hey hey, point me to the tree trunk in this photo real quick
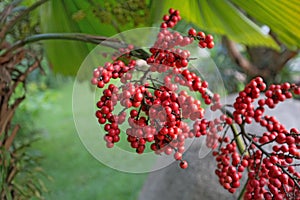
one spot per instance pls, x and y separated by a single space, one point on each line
263 61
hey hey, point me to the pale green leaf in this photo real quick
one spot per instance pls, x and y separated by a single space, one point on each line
65 56
281 16
223 17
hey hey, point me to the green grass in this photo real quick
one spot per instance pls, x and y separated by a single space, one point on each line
75 173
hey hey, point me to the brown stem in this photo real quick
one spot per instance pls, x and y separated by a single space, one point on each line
66 36
284 58
241 61
7 10
9 112
8 142
23 76
109 42
24 13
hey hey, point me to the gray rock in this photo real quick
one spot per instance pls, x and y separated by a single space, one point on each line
198 181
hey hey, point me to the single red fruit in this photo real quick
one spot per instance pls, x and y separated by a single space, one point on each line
192 32
177 156
183 164
202 44
210 45
209 38
201 35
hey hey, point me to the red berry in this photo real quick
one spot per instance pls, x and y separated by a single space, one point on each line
192 32
163 25
183 164
133 113
210 45
201 35
166 17
171 10
177 156
297 91
202 44
209 38
138 97
109 145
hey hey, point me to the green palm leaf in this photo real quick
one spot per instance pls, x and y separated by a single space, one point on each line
281 16
69 17
65 56
223 17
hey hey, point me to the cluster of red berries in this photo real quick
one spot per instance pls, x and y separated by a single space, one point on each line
171 20
164 52
157 120
159 114
270 173
204 40
279 93
230 165
102 75
243 105
268 178
105 115
177 58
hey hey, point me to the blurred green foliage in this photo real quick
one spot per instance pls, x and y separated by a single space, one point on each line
75 173
29 179
103 18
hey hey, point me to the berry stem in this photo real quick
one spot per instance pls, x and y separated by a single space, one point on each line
240 197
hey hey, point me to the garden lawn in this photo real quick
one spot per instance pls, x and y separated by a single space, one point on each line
75 173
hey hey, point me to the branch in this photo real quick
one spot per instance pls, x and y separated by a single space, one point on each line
12 22
6 119
234 130
8 142
105 41
284 58
21 78
7 11
241 61
66 36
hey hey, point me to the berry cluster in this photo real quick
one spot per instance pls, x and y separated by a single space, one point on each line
159 113
164 52
159 110
171 20
272 175
279 93
102 75
163 55
105 115
204 40
229 164
244 109
158 117
268 178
